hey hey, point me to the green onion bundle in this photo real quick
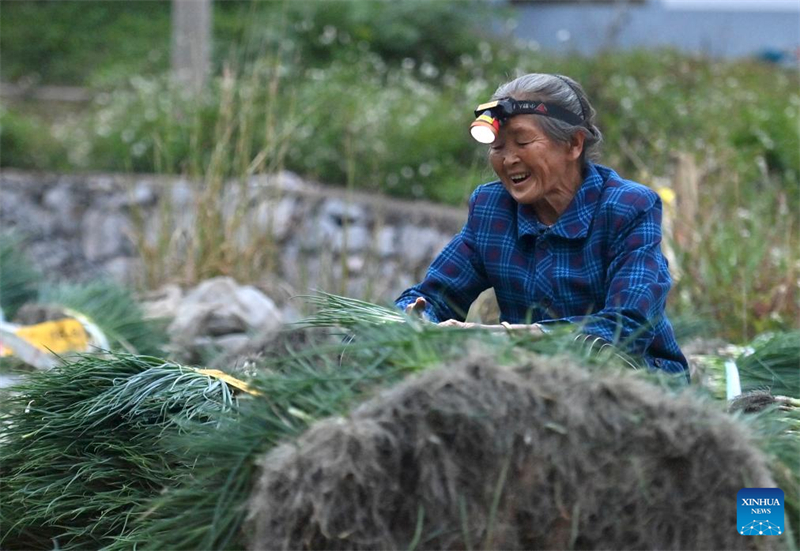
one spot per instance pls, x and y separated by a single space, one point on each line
338 311
774 364
777 429
80 446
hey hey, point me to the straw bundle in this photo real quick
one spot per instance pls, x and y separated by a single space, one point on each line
547 456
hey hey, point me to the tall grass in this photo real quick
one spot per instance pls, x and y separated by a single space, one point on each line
741 267
216 235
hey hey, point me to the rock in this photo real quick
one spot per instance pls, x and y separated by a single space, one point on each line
33 313
105 234
354 239
338 226
163 303
231 343
77 227
27 217
220 306
275 218
420 245
124 269
181 195
143 194
342 213
59 256
7 380
139 195
386 241
60 200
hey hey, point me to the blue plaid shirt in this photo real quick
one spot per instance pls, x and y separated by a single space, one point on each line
600 265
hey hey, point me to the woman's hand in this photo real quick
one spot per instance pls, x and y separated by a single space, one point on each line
463 324
417 308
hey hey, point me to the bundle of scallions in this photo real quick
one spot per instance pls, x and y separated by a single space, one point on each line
80 446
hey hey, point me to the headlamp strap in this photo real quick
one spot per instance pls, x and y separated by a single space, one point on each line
508 107
574 91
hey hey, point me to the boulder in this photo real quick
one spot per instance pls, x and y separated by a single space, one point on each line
220 306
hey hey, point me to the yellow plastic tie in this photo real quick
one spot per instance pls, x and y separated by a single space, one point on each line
233 381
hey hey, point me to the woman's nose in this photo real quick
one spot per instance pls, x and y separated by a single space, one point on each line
510 157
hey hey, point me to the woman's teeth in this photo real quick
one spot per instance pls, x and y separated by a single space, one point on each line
517 178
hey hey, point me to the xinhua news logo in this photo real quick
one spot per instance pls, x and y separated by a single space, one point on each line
759 511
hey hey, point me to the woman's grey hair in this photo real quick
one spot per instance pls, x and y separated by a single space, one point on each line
566 93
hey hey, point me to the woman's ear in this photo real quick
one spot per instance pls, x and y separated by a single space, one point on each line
576 145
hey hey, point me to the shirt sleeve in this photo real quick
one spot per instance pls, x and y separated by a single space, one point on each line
455 278
637 282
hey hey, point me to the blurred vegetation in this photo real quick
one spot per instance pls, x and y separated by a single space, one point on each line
19 279
83 43
379 95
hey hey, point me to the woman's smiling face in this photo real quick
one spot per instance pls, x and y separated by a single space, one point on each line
534 169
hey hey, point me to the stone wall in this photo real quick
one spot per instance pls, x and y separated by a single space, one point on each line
79 227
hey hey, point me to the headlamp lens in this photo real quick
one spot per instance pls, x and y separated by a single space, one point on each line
485 128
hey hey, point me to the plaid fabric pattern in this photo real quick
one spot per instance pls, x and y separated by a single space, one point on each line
600 265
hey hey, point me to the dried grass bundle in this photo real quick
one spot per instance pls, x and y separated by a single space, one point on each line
545 456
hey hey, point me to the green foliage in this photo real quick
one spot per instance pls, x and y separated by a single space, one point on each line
80 446
75 42
777 429
26 142
102 43
432 33
772 362
113 309
742 269
19 280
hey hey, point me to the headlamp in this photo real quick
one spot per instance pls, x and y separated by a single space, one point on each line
489 116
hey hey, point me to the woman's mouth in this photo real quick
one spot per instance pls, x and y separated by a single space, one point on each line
519 177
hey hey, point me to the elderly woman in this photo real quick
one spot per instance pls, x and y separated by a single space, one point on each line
562 240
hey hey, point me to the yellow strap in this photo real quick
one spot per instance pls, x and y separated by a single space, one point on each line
233 381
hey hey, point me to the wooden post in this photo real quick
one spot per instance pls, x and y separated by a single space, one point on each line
191 42
686 184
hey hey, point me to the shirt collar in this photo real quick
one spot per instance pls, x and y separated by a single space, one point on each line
575 221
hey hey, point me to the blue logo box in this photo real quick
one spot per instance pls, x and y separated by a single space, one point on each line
759 512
